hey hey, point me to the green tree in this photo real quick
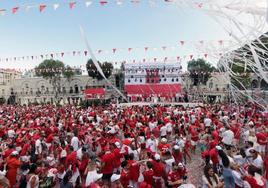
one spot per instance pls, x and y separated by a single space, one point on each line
200 71
54 71
106 67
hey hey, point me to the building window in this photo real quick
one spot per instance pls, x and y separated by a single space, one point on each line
140 80
177 79
63 90
210 85
172 80
128 81
3 91
71 90
165 79
76 89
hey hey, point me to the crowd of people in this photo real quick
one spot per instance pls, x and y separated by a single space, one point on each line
138 146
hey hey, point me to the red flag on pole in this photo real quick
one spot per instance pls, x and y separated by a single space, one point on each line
62 54
15 9
206 55
71 5
85 52
191 56
42 7
114 50
129 49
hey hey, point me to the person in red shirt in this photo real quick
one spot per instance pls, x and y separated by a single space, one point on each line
163 146
125 176
262 141
134 170
148 173
159 171
177 154
117 155
251 178
107 166
175 177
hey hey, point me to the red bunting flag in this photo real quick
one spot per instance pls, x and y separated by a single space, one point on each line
146 48
85 52
42 7
114 50
182 42
62 54
71 5
191 56
15 9
129 49
103 2
206 55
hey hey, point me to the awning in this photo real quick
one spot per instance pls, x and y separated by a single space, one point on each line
153 89
91 92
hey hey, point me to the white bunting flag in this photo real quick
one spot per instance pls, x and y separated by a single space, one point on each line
88 3
56 6
2 12
119 2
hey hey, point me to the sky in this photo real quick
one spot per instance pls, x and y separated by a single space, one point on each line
129 25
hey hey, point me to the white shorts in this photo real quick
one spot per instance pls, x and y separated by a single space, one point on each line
193 143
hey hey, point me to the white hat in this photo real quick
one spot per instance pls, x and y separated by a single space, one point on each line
164 140
218 147
14 153
157 156
176 147
180 165
115 177
117 144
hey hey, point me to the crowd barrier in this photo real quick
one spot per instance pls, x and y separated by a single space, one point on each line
161 104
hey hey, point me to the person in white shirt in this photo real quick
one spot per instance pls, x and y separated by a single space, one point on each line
163 131
75 142
227 137
256 159
152 144
38 146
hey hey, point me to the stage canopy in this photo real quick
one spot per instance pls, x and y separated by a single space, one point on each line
94 92
153 89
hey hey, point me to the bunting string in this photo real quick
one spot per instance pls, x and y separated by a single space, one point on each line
82 68
72 5
181 44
